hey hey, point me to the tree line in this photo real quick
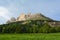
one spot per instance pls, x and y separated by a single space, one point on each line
28 27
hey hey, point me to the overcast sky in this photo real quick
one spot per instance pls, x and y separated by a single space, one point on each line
13 8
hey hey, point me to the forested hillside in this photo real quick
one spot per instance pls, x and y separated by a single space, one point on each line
29 26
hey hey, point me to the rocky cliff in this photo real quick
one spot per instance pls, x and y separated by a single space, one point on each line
37 16
29 16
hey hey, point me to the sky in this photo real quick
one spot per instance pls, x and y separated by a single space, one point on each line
13 8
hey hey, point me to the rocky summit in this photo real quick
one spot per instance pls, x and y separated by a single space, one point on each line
37 16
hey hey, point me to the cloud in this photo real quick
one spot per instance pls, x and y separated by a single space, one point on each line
10 9
4 14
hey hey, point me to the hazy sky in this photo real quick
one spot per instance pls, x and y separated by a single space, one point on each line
13 8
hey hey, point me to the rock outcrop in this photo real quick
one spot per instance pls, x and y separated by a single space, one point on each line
29 16
37 16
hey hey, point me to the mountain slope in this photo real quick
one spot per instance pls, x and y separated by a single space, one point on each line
39 17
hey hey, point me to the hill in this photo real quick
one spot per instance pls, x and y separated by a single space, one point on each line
36 23
28 26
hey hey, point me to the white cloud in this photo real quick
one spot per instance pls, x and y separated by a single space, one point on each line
4 14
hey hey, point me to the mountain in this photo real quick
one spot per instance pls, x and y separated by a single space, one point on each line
29 16
37 16
30 23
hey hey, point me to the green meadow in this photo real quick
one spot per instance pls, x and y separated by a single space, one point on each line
31 36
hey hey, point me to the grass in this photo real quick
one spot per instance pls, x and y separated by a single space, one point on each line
37 36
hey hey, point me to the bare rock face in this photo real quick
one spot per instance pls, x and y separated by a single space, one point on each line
8 21
11 20
21 17
29 16
37 16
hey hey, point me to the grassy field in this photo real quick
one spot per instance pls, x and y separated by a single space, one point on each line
51 36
